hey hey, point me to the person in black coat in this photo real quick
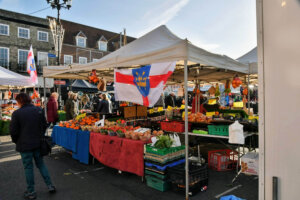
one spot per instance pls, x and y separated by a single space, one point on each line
27 126
170 100
103 106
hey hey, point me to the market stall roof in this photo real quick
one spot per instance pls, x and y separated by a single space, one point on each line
84 85
159 45
250 59
9 79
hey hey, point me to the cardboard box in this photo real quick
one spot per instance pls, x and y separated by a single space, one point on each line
250 163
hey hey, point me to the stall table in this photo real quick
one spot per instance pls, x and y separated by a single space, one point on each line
76 141
120 153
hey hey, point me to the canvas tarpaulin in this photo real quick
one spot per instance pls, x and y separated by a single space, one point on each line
9 79
159 45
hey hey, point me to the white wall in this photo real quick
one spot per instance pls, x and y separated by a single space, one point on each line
279 79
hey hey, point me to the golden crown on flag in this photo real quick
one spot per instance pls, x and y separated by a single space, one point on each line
140 80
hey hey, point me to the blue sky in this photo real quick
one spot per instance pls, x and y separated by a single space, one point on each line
220 26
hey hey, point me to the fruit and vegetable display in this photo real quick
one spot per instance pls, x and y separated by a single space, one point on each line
7 112
79 123
163 141
199 118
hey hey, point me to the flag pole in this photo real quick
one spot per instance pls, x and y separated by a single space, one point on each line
186 131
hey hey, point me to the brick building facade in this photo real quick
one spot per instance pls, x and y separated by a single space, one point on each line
84 44
81 43
17 33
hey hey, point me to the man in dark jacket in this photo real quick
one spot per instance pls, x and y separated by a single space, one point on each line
170 100
27 126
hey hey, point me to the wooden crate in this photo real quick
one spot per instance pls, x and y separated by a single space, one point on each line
141 111
129 111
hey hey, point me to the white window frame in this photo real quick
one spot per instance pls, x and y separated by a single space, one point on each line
99 42
24 29
38 55
7 29
80 37
19 54
68 56
42 32
82 58
96 59
7 55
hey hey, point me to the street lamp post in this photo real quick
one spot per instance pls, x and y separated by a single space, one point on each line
59 30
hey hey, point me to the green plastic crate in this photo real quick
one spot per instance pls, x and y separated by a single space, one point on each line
218 130
156 175
158 184
162 152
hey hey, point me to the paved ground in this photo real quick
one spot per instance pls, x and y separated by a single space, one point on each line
76 181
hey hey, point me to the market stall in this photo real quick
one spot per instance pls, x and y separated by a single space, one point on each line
9 81
158 46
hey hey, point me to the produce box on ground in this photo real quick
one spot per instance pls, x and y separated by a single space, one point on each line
250 163
163 167
222 160
198 177
156 174
158 184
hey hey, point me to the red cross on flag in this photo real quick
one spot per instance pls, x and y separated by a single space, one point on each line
142 85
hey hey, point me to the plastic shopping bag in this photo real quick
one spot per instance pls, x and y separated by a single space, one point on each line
236 133
176 140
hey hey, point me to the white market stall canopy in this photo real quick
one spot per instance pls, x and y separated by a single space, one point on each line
159 45
250 59
10 80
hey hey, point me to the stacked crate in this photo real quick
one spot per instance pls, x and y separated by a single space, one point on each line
157 161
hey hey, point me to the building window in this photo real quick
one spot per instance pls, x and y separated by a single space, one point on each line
4 29
102 46
23 33
43 36
42 59
4 56
95 60
81 41
68 59
82 60
22 56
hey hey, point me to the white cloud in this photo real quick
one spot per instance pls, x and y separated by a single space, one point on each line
161 15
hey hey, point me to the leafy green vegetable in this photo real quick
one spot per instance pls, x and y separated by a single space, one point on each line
164 141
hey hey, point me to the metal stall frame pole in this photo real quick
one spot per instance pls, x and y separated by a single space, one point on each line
45 98
248 89
186 126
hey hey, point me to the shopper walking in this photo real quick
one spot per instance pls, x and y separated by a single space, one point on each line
52 107
27 126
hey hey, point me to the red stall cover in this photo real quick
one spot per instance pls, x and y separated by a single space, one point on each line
119 153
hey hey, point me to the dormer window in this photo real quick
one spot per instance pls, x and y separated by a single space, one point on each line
81 39
102 44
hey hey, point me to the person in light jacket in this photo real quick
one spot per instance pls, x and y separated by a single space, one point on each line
28 124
